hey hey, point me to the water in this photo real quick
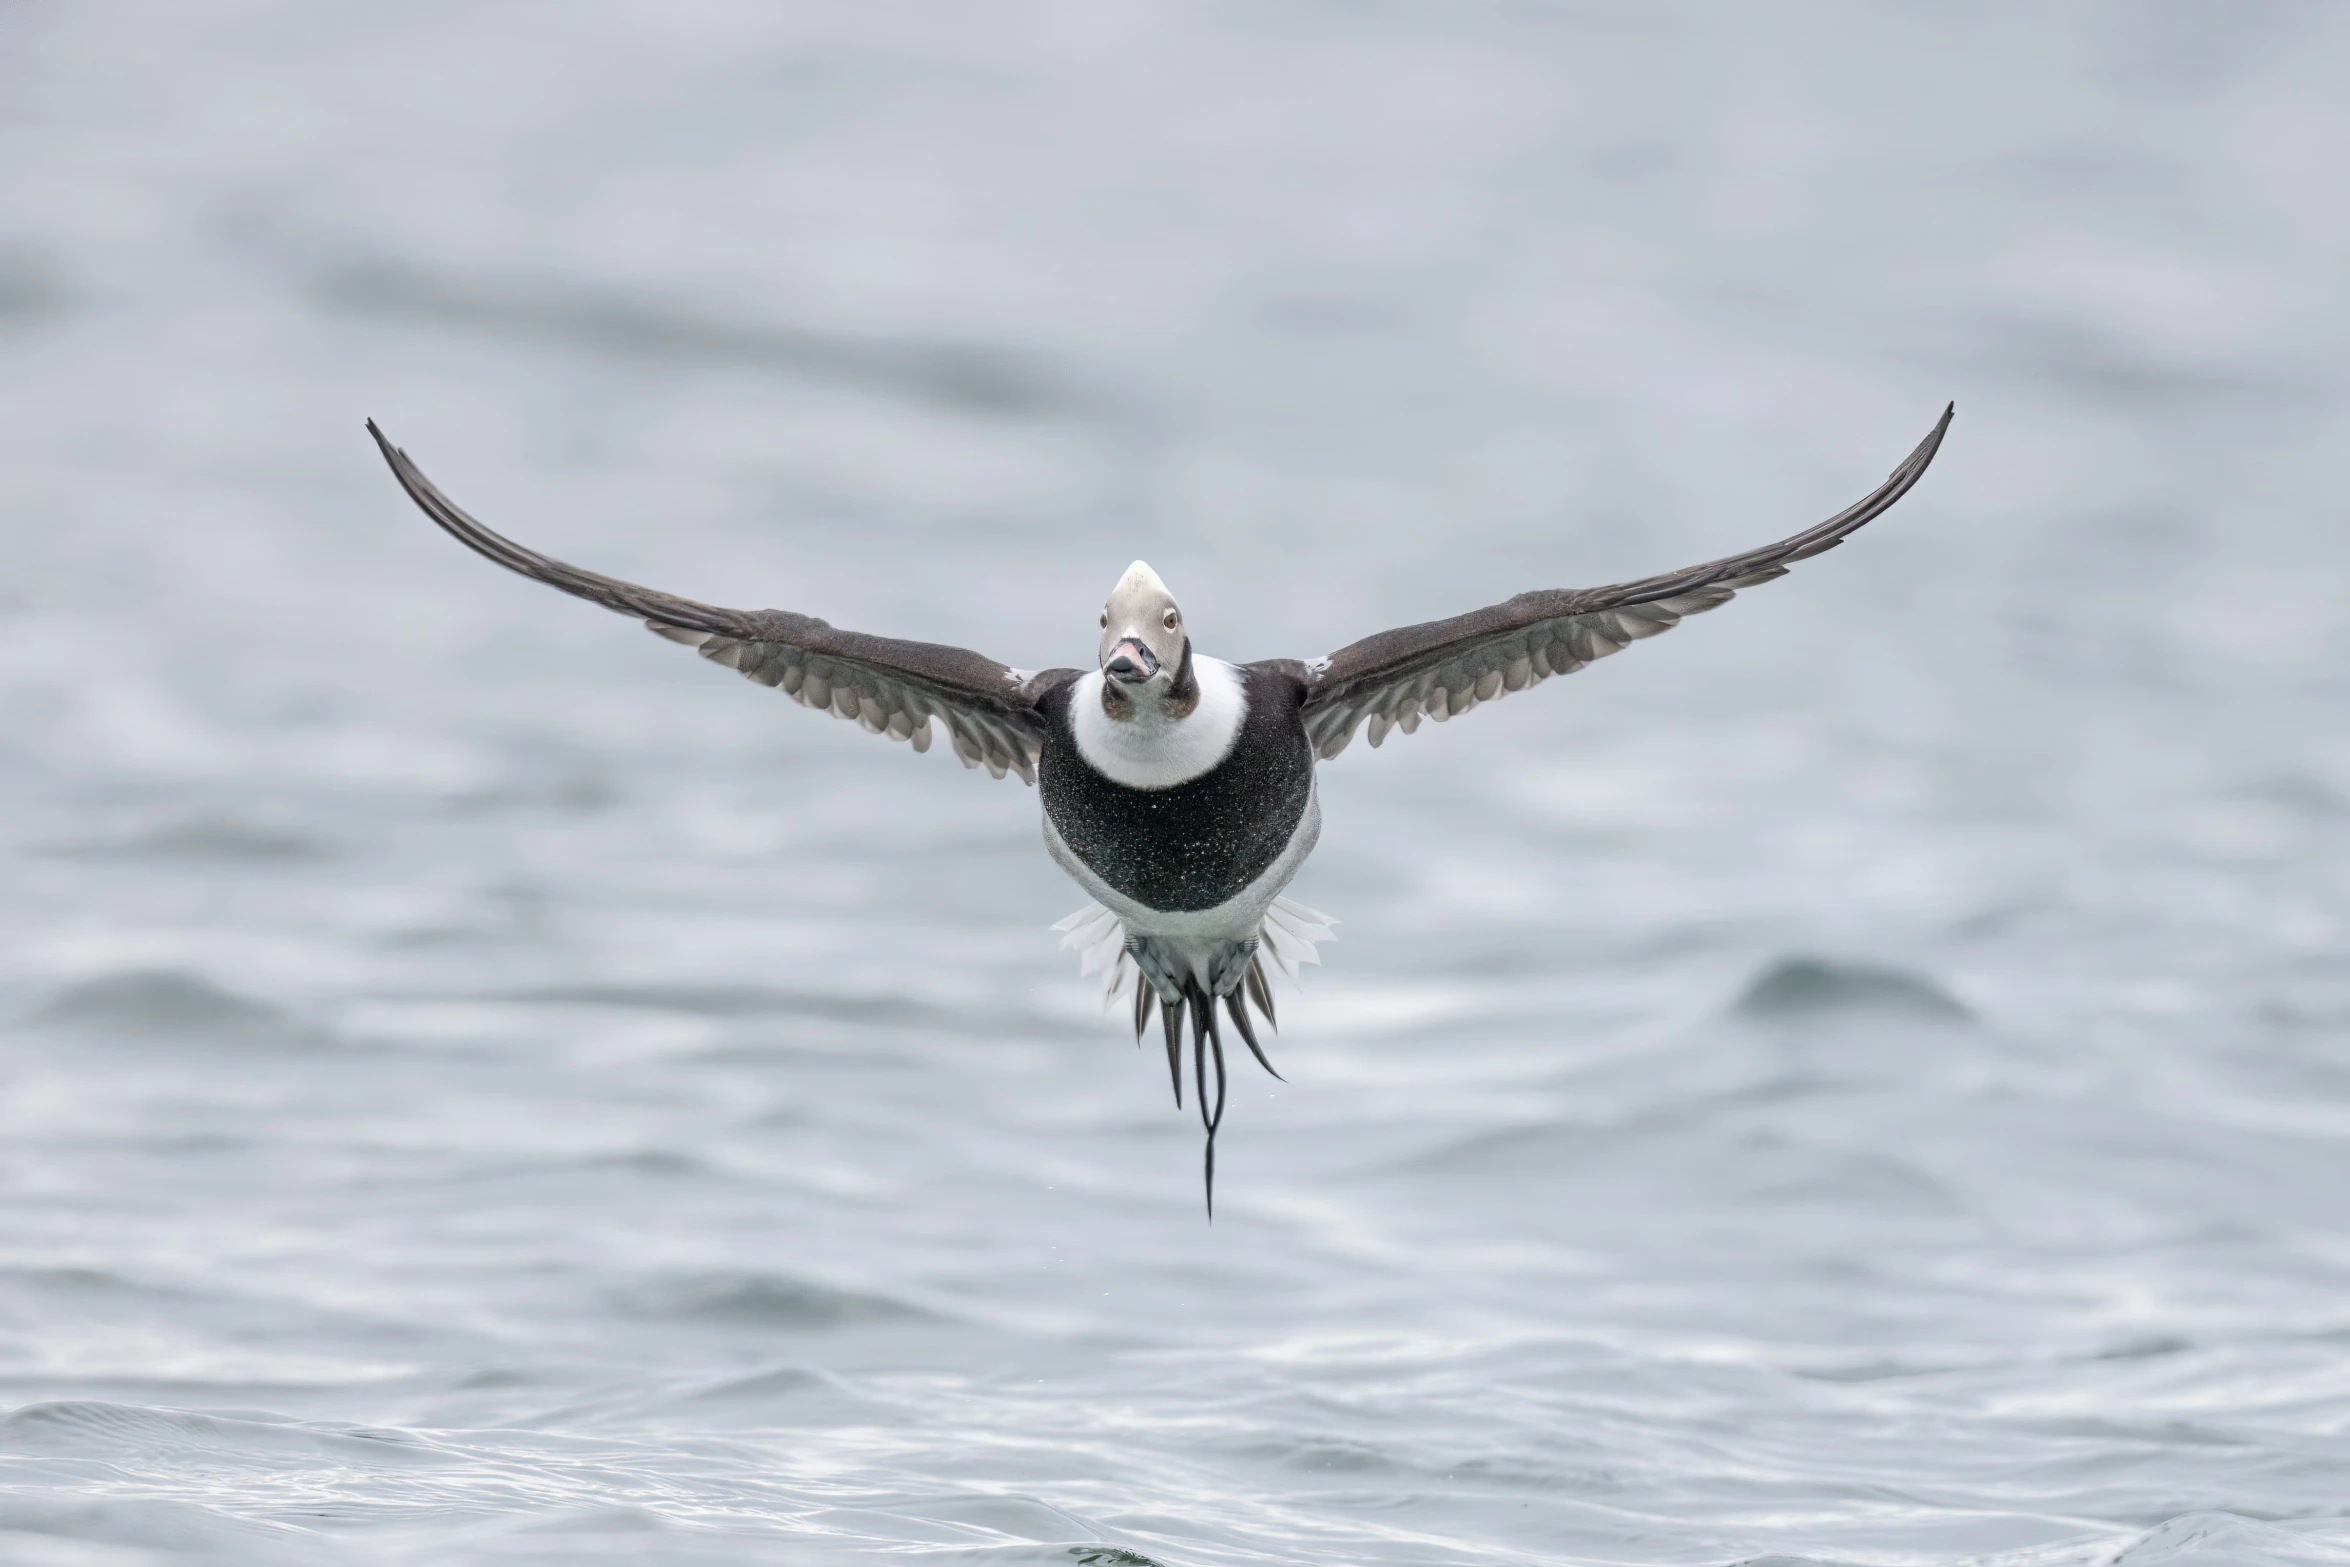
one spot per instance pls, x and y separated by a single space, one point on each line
1857 1080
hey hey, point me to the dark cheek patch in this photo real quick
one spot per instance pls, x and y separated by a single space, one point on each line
1183 698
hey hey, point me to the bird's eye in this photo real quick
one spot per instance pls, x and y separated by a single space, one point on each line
1105 620
1171 618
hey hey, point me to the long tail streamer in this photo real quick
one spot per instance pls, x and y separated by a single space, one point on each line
1287 939
1207 1045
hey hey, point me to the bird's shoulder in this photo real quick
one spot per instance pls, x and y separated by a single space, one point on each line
1288 675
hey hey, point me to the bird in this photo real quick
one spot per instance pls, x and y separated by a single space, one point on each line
1178 790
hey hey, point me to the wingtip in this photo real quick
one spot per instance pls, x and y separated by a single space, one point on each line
1913 466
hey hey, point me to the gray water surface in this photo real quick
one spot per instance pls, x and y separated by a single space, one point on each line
1862 1079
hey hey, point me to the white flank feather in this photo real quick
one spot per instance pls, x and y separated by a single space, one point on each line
1291 932
1099 938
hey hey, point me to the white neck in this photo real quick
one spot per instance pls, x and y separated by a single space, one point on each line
1148 749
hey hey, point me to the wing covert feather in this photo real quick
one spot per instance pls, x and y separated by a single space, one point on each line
889 687
1443 668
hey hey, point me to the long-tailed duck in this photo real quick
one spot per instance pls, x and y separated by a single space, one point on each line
1179 789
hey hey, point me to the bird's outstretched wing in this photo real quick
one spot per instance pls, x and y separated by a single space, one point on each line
890 687
1446 667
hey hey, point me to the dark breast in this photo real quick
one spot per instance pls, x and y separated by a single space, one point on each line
1197 844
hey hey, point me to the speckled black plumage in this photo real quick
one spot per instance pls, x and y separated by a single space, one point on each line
1195 845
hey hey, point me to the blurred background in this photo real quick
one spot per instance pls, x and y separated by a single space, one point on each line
1859 1080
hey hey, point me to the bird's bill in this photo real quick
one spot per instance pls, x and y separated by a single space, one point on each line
1131 662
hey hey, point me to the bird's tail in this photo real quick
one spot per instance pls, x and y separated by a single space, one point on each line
1157 977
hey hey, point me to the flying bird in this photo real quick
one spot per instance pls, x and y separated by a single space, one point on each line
1178 789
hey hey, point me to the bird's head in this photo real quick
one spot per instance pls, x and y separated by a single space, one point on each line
1144 642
